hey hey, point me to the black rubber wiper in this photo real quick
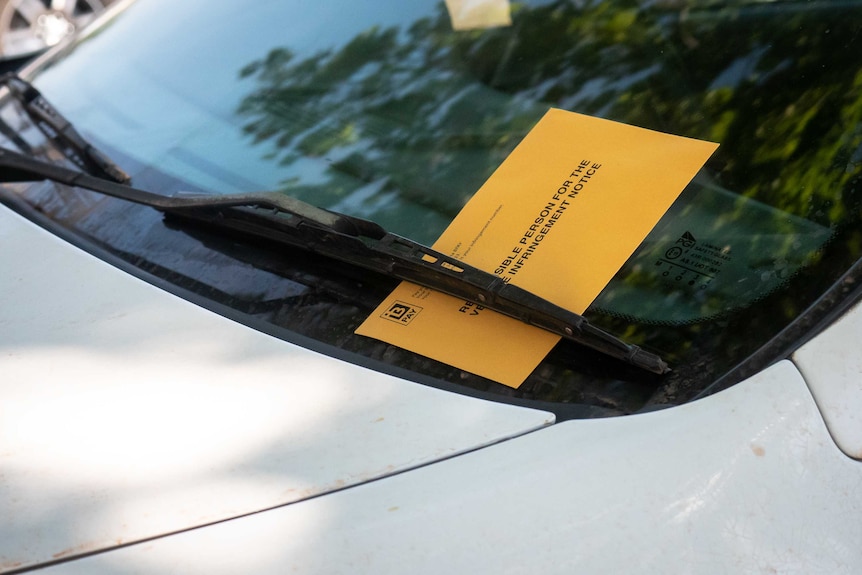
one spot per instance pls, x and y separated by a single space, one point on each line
362 243
59 131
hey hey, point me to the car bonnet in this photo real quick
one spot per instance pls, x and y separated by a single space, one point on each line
127 413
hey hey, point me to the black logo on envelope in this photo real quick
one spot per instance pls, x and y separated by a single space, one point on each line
401 312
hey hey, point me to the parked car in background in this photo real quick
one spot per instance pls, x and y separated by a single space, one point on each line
180 397
28 27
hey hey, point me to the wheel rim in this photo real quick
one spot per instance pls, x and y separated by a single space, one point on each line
29 26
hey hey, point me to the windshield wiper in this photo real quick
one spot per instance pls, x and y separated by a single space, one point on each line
358 242
59 131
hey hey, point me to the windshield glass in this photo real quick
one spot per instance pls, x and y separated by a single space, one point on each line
398 112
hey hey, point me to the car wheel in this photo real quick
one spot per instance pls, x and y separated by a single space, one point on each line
30 26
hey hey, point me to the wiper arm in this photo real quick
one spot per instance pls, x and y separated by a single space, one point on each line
60 131
362 243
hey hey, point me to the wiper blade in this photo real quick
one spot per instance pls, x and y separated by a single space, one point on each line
60 132
355 241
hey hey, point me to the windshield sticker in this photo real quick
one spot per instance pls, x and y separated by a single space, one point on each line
710 254
559 217
477 14
692 263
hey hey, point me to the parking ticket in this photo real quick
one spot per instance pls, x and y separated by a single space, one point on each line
559 217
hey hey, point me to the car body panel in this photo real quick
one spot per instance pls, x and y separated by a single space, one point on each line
127 412
832 366
745 481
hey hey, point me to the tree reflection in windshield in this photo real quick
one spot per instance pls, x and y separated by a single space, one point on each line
413 120
402 124
433 111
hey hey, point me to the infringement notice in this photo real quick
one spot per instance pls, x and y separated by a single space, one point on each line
559 217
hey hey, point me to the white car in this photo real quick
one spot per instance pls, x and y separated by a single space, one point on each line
182 389
28 27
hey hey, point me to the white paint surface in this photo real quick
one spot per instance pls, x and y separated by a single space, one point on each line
746 481
832 366
126 412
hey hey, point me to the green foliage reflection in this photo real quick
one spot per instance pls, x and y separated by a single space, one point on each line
408 122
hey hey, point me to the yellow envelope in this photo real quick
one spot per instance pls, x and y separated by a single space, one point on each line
559 217
473 14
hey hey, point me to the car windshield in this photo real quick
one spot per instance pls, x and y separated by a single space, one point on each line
399 111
